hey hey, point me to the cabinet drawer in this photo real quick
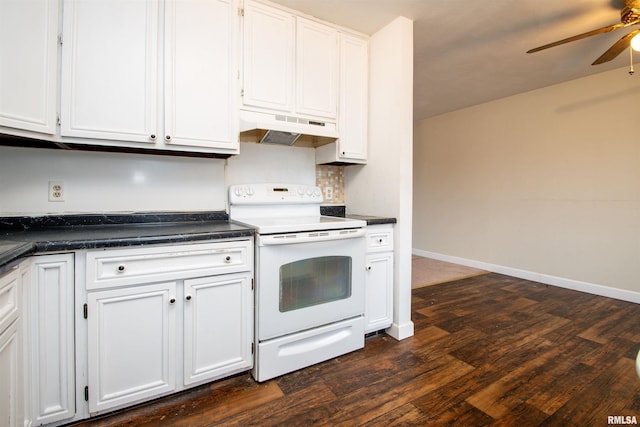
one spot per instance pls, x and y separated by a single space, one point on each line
8 298
379 238
121 267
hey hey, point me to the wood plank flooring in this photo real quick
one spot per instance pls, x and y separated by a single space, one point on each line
487 350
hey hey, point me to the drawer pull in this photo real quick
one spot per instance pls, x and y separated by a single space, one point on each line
227 259
380 240
172 301
368 268
188 297
121 268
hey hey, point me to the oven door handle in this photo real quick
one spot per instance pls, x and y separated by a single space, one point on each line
310 236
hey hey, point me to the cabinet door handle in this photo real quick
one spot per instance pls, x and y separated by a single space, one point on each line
152 137
368 268
121 268
188 297
167 137
172 301
227 259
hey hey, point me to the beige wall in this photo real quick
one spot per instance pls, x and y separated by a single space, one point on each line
383 186
546 182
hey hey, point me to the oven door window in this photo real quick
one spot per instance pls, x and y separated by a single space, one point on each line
314 281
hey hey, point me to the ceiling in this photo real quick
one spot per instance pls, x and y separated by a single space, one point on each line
467 52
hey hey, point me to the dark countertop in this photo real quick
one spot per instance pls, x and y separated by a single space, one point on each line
374 220
340 211
20 242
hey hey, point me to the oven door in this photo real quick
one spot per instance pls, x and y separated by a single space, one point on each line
309 279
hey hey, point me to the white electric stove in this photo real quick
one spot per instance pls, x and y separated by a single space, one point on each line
309 277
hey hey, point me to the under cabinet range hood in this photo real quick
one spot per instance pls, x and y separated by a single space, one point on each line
283 129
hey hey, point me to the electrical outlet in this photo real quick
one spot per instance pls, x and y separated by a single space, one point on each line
328 193
56 191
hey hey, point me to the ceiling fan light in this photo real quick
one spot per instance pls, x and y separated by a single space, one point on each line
635 43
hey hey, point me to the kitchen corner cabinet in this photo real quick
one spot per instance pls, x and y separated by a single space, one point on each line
161 319
353 121
49 324
379 278
29 65
10 349
151 74
290 63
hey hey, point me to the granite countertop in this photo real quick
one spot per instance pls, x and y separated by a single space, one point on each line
374 220
21 239
340 211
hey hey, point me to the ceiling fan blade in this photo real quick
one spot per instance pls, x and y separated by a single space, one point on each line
616 49
581 36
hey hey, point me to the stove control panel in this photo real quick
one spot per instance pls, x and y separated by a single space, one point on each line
267 194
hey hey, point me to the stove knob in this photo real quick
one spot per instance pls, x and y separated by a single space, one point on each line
317 193
239 192
309 191
301 191
249 191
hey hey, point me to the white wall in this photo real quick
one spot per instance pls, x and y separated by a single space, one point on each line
111 182
264 163
384 185
543 185
107 182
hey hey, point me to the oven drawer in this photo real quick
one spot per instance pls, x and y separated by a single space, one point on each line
121 267
296 351
380 238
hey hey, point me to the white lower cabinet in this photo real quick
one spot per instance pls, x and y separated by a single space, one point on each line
49 322
131 344
10 366
218 313
9 372
153 337
379 278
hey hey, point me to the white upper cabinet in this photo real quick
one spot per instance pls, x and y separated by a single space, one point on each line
354 98
28 64
290 63
317 69
110 70
268 57
159 74
353 120
200 74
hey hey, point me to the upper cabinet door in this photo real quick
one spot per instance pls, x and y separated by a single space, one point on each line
200 73
28 64
268 57
316 69
109 69
354 98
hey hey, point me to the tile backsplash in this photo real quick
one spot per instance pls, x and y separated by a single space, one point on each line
330 179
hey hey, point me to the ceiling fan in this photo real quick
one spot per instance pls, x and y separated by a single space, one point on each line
630 15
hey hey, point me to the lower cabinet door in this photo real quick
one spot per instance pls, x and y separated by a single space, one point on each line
9 390
218 325
379 291
49 317
132 348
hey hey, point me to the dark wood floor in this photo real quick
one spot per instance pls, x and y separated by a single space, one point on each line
488 350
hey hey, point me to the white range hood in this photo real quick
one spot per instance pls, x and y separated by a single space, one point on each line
284 129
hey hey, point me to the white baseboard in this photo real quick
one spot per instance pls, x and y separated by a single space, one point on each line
400 332
576 285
